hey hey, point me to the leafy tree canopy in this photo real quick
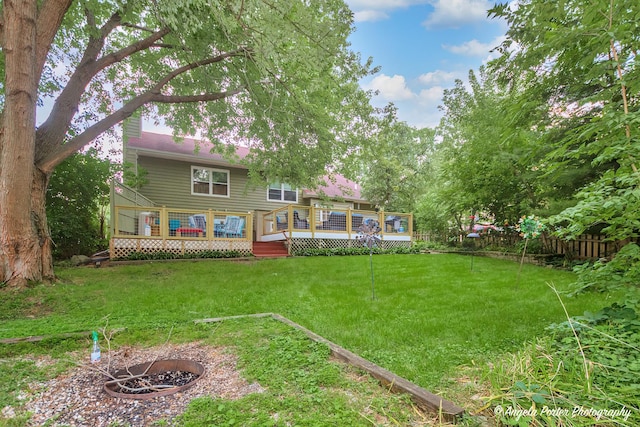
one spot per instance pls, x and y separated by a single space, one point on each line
394 171
278 76
584 57
487 161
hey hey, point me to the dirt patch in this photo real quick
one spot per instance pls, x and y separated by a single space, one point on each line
77 398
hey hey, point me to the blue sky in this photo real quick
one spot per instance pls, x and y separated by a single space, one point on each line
422 46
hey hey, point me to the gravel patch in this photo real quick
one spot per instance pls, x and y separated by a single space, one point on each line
77 398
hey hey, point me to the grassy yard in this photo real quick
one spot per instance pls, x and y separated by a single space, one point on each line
432 313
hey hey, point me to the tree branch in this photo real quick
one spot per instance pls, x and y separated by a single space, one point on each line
48 163
50 15
205 97
91 19
50 145
137 27
50 135
130 50
192 66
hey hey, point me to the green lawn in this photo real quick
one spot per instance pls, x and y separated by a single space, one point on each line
431 314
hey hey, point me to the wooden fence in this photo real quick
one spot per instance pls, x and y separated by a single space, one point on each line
584 247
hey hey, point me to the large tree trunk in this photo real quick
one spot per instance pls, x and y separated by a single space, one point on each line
25 244
24 241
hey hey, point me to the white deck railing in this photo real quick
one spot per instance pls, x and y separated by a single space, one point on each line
313 222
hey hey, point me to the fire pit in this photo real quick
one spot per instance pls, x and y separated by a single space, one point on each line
152 379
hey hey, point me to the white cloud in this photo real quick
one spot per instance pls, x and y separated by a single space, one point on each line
439 77
431 96
369 16
423 110
475 48
391 88
456 13
377 10
382 4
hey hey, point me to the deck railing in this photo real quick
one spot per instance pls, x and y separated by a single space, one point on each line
168 223
317 221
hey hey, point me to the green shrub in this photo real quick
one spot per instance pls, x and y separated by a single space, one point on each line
208 254
359 250
419 246
623 271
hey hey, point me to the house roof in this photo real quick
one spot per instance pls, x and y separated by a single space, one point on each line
164 146
337 187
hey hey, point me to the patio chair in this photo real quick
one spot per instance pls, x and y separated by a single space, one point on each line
392 224
356 221
233 226
199 221
336 221
174 224
282 223
299 223
218 228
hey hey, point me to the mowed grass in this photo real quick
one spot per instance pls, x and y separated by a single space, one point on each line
432 313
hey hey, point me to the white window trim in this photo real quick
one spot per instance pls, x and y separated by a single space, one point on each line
193 193
281 200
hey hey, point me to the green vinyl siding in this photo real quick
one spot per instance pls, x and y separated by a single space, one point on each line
169 184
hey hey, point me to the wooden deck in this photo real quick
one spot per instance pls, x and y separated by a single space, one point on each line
149 229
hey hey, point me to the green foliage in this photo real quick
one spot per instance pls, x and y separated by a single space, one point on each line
394 172
160 255
488 159
134 178
534 246
77 197
623 271
435 214
420 246
359 250
546 383
287 67
584 59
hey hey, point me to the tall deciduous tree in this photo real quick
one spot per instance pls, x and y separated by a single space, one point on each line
486 162
585 54
279 75
396 168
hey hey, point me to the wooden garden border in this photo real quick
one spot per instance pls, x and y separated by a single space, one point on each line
423 398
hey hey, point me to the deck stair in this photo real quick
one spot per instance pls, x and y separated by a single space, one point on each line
269 250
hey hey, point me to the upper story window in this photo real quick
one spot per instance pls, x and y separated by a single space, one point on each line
209 182
279 192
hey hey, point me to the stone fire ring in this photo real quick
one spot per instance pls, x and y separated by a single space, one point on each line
159 366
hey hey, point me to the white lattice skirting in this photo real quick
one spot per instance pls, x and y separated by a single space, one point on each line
299 244
122 247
